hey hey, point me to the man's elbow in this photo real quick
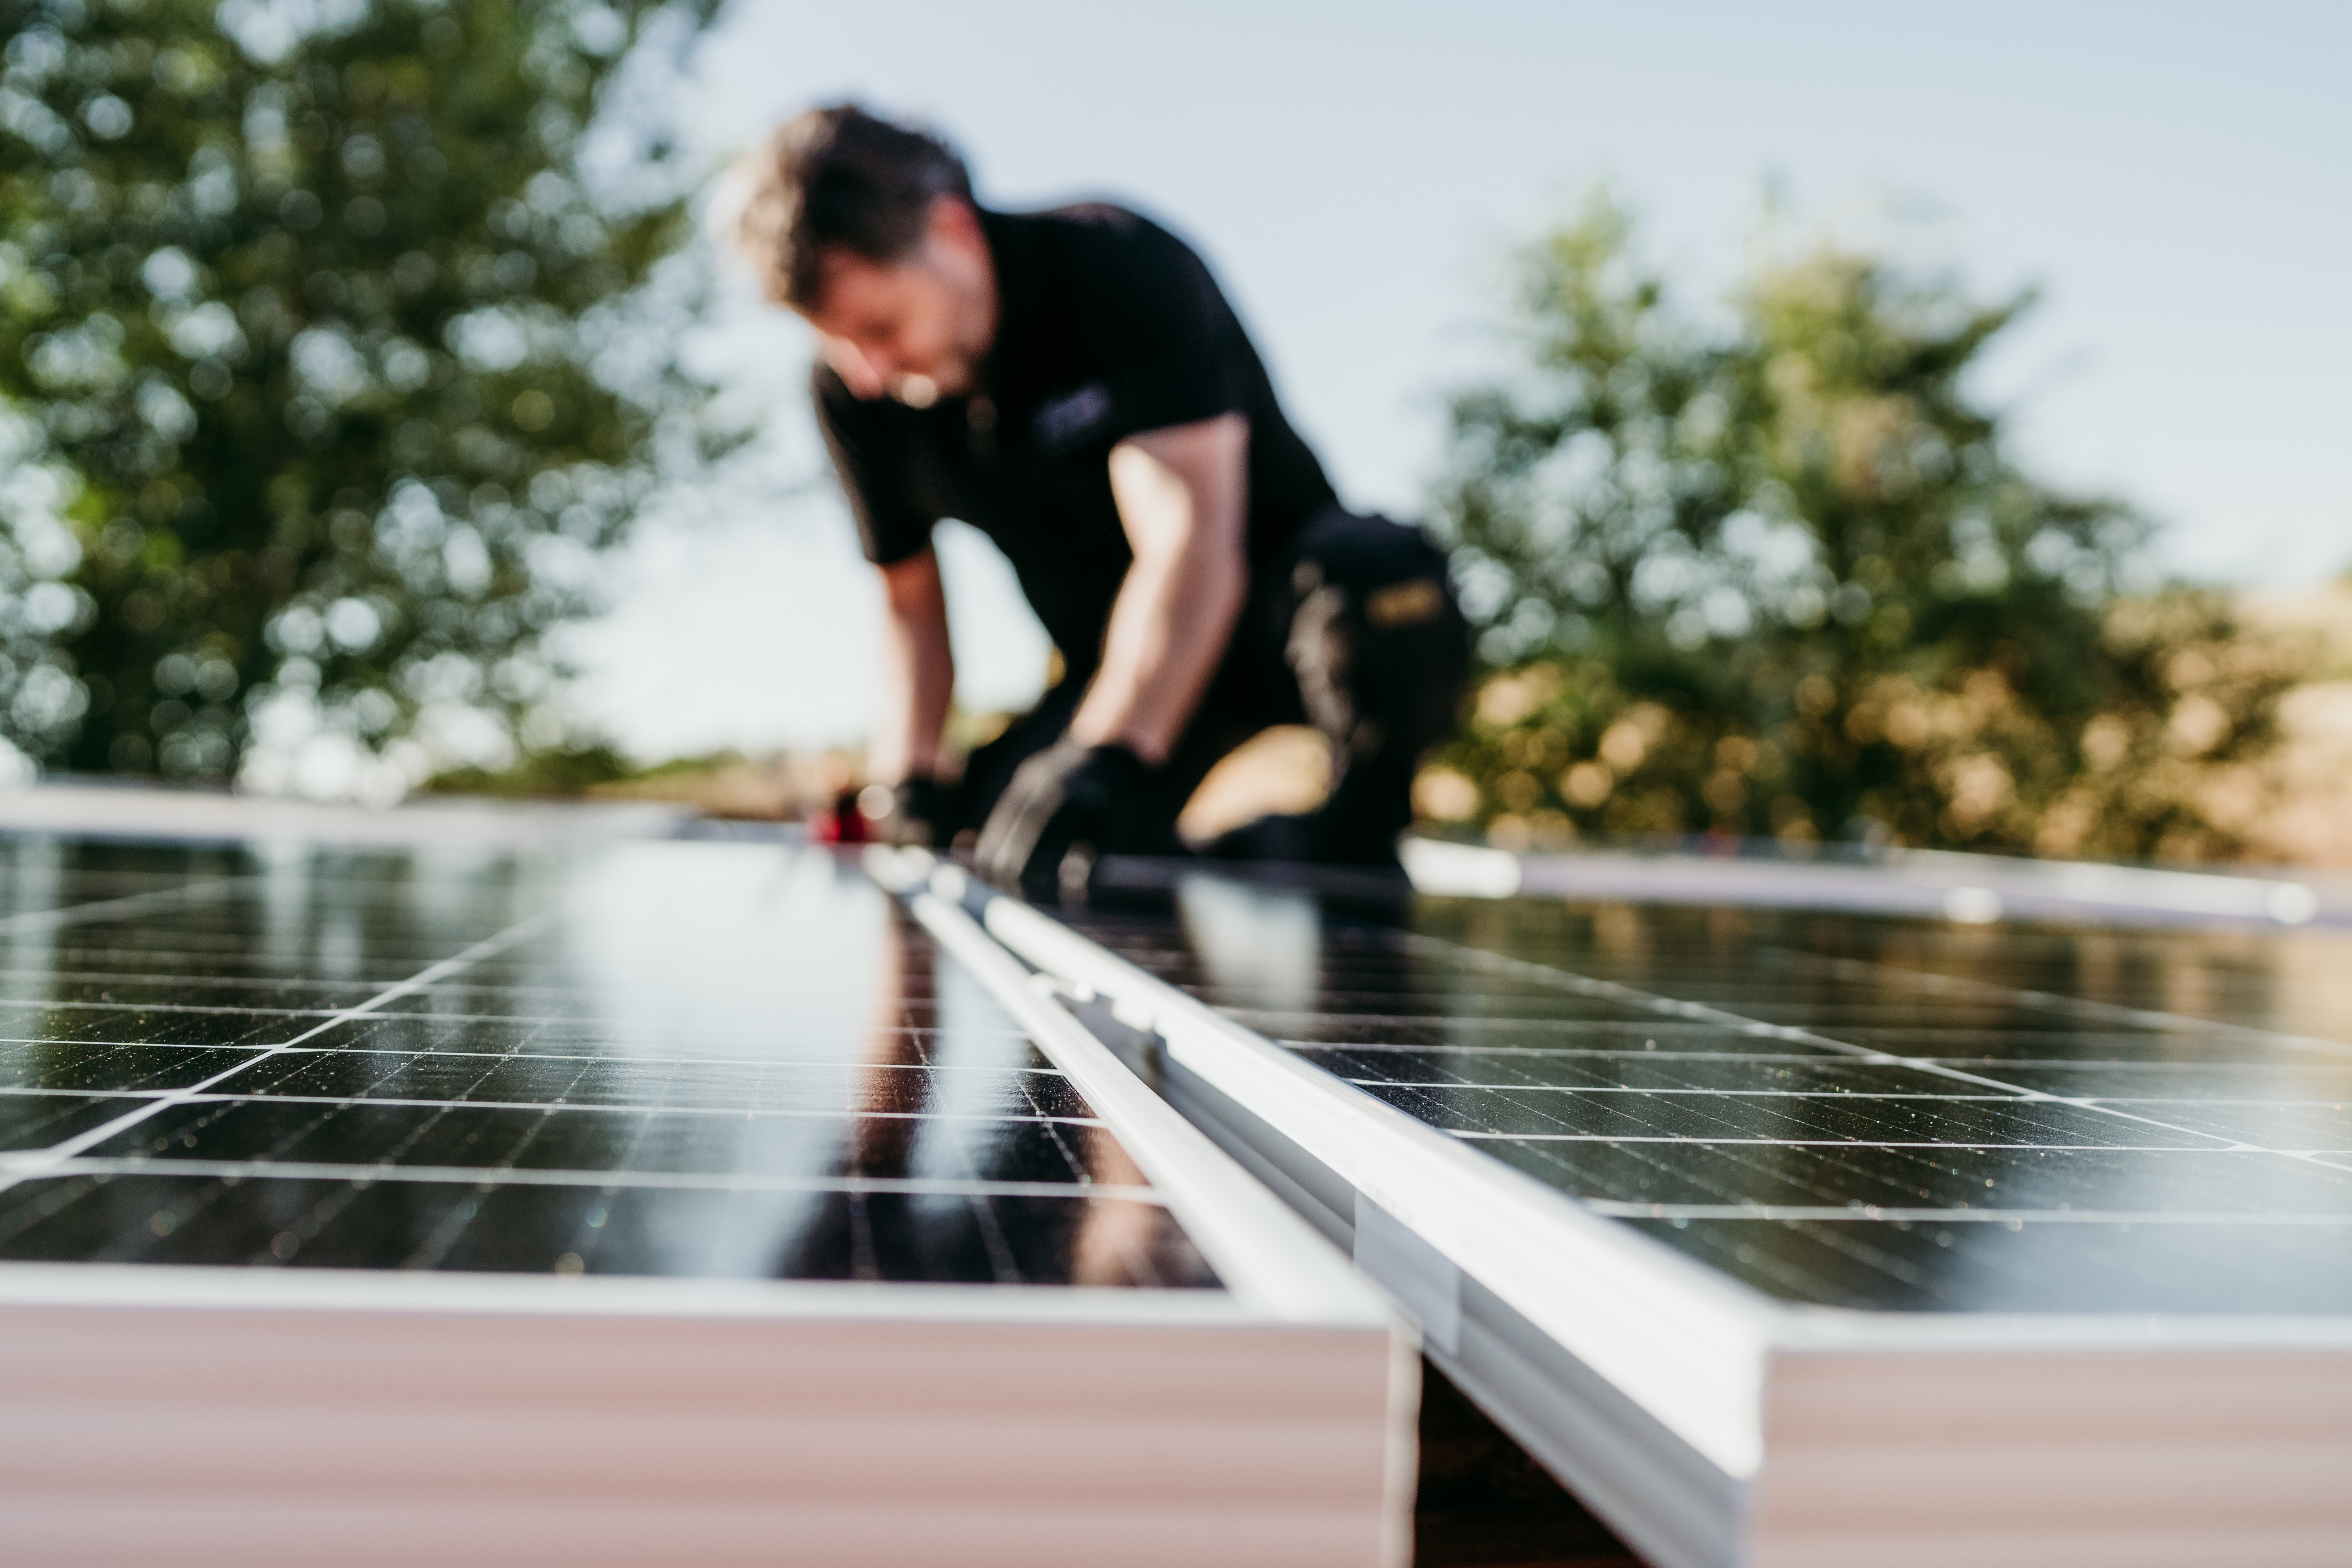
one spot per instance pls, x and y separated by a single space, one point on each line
1184 491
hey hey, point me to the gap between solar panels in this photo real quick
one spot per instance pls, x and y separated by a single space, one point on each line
1712 1423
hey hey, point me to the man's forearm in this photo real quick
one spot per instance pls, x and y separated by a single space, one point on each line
1180 493
918 674
1169 628
913 718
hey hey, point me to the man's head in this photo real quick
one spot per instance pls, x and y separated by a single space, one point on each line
868 229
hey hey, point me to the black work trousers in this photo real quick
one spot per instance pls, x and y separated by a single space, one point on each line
1353 629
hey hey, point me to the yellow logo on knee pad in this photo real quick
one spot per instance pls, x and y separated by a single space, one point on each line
1405 603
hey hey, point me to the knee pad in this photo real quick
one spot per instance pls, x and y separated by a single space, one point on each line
1377 639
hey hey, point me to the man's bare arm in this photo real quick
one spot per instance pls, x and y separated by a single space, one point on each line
1182 494
917 672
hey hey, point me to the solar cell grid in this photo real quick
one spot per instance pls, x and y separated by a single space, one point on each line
1849 1111
309 1162
644 1062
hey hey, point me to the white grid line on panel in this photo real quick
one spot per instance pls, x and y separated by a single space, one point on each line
129 904
862 1031
487 946
1597 1053
1987 1065
166 979
1864 1213
37 1091
1269 1015
168 982
2301 1072
1699 1011
2086 1102
518 1176
1281 1027
764 1064
1837 1094
231 949
2074 1006
606 1057
635 1065
638 1022
845 1112
2216 1144
263 1097
75 1006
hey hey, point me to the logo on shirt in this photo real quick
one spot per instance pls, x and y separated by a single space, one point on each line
1067 421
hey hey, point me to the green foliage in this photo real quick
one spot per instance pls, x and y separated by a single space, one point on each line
1783 578
304 341
560 771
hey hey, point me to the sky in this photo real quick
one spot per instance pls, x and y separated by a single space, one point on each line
2174 181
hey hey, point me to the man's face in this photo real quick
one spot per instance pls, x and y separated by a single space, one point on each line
917 328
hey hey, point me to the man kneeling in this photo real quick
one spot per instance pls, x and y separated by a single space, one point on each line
1074 383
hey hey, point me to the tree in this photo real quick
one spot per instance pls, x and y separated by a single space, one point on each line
1783 577
320 391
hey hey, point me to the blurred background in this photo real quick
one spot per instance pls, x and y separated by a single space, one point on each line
1854 427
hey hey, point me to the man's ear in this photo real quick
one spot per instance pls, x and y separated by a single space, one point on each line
954 222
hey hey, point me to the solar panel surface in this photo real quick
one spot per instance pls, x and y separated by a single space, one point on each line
666 1060
1842 1111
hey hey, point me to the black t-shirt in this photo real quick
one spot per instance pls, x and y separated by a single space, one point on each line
1108 325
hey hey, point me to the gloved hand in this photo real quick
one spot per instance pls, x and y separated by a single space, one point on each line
1065 795
917 812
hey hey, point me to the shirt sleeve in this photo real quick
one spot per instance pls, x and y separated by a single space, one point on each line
1173 349
866 458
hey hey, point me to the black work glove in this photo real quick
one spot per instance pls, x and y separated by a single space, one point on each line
1064 797
917 812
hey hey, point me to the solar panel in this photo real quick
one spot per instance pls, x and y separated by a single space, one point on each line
643 1202
1723 1210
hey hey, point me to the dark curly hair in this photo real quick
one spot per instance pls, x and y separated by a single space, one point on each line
835 177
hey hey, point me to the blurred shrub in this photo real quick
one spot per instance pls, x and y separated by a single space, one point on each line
1780 577
559 772
785 787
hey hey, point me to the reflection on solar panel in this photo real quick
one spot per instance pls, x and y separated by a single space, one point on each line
662 1202
1808 1237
